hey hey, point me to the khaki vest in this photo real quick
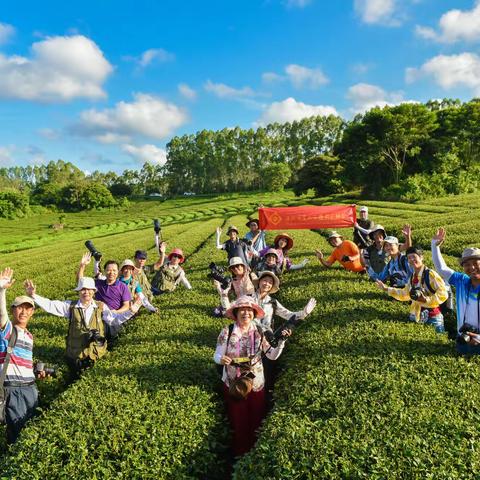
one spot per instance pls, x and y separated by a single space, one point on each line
165 278
78 345
145 284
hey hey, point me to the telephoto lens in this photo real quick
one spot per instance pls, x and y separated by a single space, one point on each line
91 248
156 226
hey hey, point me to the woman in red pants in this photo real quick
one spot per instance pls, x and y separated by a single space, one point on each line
239 350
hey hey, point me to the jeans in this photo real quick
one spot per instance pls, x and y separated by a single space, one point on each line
436 321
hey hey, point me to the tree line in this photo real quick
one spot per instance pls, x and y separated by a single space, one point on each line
410 151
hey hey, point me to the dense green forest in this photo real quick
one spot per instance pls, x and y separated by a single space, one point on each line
408 152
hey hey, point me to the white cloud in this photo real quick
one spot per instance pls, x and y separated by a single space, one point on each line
377 11
187 92
225 91
450 71
365 96
271 77
361 68
6 32
151 56
49 133
455 25
290 110
147 115
6 156
305 77
60 69
146 153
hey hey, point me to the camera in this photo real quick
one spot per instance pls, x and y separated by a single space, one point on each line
94 336
91 248
217 273
463 337
274 337
41 367
415 292
156 226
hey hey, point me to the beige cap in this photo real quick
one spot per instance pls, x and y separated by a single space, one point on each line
235 261
127 263
23 299
469 254
334 234
86 282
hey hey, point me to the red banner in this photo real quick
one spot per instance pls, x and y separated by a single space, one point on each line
285 218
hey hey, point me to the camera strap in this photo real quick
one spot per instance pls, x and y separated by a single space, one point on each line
11 345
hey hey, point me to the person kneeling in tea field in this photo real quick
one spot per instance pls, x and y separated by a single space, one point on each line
170 274
126 276
19 392
467 293
108 289
239 350
345 252
283 243
90 322
425 289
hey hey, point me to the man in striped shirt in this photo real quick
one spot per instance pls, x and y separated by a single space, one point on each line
21 391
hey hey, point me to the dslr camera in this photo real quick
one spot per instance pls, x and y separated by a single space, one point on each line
415 292
463 337
94 336
274 337
156 226
41 367
91 248
218 274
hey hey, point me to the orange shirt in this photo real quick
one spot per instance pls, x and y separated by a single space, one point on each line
351 250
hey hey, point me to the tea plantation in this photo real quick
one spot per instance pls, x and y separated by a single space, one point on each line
361 393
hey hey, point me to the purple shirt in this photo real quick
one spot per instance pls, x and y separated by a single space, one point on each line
113 295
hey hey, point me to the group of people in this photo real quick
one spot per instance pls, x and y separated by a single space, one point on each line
247 350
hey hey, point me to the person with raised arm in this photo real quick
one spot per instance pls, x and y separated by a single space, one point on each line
19 391
255 235
467 292
425 290
234 246
90 322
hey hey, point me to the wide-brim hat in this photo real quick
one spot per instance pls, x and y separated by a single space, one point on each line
86 282
127 263
378 228
235 261
23 299
243 302
232 227
287 237
271 251
391 239
252 220
276 281
179 252
469 254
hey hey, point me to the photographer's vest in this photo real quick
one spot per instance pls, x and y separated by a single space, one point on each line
166 278
78 343
145 284
377 259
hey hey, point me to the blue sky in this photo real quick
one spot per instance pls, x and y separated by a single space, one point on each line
105 84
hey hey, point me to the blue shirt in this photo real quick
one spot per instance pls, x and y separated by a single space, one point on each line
260 242
467 299
397 270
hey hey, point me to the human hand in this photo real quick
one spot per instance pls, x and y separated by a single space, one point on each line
286 333
319 254
135 306
30 288
421 298
225 360
219 230
381 285
86 258
163 247
6 278
304 262
407 230
311 304
439 236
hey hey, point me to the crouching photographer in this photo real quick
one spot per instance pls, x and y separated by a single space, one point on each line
467 293
90 323
239 350
425 289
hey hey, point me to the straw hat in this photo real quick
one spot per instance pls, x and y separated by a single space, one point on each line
287 237
245 302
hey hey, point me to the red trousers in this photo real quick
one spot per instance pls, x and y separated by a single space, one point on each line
245 418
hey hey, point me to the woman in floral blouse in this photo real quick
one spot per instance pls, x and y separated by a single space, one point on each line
239 350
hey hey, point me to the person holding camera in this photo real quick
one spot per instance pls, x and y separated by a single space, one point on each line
239 349
398 270
467 292
425 290
90 322
18 392
344 251
170 273
108 288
